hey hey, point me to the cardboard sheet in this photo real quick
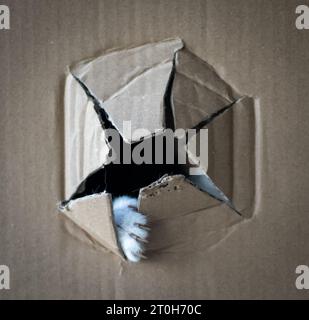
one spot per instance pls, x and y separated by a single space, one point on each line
255 47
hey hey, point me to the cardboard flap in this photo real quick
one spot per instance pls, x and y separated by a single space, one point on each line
85 146
141 103
93 214
231 151
171 197
210 227
246 127
175 208
109 73
131 81
198 91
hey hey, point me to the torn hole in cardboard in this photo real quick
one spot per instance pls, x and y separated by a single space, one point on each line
157 86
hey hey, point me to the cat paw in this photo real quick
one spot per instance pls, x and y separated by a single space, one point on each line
131 225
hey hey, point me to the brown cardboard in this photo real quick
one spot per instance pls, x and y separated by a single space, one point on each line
234 150
131 81
256 48
170 197
85 149
132 85
198 91
93 214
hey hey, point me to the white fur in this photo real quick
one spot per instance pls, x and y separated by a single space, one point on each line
127 221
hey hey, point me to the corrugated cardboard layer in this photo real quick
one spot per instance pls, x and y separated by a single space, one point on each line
254 46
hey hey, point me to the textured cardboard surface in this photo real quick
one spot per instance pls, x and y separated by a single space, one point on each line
255 47
93 214
130 82
134 84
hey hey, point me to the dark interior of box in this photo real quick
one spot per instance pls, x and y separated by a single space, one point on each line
118 179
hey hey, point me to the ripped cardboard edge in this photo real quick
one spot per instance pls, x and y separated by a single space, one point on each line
113 244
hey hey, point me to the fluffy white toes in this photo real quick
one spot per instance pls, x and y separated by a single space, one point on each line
131 227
